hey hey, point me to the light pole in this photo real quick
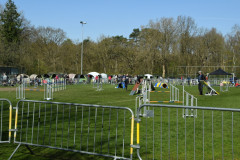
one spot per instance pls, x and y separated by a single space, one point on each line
82 46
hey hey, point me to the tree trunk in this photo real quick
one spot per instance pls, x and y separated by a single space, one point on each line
152 67
116 65
163 71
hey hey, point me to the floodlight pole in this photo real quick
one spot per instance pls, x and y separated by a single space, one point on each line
82 46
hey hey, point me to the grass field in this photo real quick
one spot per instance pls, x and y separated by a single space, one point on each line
110 96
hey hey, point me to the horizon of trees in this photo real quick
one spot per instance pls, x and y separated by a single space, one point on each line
156 48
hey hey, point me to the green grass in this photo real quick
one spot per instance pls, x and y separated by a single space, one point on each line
86 94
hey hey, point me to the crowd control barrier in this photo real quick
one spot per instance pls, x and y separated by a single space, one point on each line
91 129
108 130
214 134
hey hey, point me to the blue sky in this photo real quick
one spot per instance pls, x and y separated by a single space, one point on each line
112 17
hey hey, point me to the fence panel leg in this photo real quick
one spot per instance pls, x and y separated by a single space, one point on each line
14 152
29 149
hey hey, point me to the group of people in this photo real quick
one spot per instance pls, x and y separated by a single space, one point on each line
7 80
123 81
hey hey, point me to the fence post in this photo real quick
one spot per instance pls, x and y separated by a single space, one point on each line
3 118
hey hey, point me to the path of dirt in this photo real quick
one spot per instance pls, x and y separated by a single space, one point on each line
7 89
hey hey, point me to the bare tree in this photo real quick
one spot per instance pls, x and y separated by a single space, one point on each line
233 44
168 38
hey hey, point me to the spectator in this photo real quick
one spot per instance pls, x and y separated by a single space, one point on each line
201 78
4 77
96 79
56 77
189 80
109 79
126 81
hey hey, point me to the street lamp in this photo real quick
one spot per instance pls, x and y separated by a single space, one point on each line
82 46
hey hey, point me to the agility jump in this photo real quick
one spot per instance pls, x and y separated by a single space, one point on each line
59 85
174 95
37 90
189 100
144 98
48 91
21 91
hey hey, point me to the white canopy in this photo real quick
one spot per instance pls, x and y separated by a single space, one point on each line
148 76
33 76
71 75
94 74
104 75
24 76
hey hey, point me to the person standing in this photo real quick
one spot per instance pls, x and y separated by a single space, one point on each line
126 81
189 80
109 79
201 78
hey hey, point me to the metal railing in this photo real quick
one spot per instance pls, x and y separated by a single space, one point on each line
166 135
108 130
91 129
5 120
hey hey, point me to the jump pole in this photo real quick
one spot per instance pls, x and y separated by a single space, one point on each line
37 90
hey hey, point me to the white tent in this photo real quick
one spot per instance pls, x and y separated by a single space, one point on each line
71 75
94 74
24 77
104 75
148 76
33 76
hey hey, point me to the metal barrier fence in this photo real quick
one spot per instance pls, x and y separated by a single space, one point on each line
91 129
213 135
5 120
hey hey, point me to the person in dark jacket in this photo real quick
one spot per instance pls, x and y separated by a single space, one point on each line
201 78
126 81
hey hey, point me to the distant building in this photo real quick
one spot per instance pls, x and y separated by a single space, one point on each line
9 70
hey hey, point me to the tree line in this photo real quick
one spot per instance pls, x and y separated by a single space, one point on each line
156 48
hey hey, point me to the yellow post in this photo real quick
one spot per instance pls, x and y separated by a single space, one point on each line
132 130
10 121
15 127
138 133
